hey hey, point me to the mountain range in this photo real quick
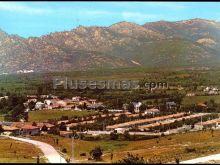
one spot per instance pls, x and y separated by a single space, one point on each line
192 42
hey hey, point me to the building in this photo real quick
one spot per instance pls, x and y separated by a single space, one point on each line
215 123
171 105
96 106
30 130
11 129
152 111
144 121
137 106
76 98
190 94
39 106
4 97
49 127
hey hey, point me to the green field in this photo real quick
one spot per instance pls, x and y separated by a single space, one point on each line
200 99
28 83
44 115
164 150
19 152
1 117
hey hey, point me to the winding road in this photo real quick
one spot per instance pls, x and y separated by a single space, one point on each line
49 152
205 159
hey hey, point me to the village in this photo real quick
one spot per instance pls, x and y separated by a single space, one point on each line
145 122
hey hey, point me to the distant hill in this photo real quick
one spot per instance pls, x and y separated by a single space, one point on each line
183 43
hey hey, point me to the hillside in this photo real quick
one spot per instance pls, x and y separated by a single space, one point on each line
183 43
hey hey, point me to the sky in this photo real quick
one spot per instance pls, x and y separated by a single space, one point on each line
31 19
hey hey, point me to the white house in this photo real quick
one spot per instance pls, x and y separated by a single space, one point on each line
39 106
76 98
137 106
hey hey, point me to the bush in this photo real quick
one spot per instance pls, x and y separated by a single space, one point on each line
131 159
96 153
188 150
64 150
127 135
114 135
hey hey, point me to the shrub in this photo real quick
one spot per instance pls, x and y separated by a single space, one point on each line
131 159
96 153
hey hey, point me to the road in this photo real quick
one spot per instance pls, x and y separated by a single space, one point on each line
206 159
131 133
49 152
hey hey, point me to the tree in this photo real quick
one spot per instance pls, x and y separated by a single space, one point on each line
40 90
114 135
96 153
131 159
131 108
63 126
34 124
142 108
44 128
1 129
127 135
31 105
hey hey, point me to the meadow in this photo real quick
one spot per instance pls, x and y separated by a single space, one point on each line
12 151
1 117
44 115
200 99
164 149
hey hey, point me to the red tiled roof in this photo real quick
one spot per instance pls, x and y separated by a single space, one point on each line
29 127
10 128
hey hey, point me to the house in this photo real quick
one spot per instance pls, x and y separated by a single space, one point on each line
144 121
213 92
48 102
190 94
136 106
76 109
11 129
152 111
125 106
39 106
76 98
116 110
171 105
206 89
32 100
215 123
4 97
92 101
46 126
61 103
30 130
31 96
96 106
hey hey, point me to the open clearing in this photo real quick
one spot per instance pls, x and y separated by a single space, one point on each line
200 99
166 149
12 151
44 115
1 117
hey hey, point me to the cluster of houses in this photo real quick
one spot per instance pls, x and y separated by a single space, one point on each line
205 90
25 128
152 109
54 102
211 90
